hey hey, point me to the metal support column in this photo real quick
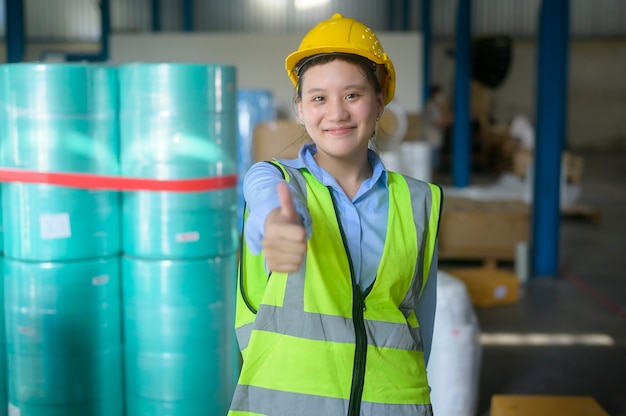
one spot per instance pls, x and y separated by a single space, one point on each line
15 28
156 15
461 140
426 47
553 49
405 14
188 15
391 15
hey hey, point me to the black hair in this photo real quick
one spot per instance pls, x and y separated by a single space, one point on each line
370 69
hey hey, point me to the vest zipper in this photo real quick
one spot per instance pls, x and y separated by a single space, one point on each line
360 350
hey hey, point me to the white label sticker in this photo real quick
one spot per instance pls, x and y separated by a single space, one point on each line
54 226
14 410
499 292
100 280
188 237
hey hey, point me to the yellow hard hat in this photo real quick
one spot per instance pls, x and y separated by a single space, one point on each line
343 35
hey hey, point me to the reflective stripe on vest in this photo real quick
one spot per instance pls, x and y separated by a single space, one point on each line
280 403
299 348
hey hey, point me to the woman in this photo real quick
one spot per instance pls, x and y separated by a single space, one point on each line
337 281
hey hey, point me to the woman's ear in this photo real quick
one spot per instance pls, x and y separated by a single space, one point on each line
300 113
380 102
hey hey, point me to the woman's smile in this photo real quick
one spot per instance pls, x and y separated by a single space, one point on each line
340 131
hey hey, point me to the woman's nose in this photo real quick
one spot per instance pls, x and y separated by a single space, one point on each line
337 109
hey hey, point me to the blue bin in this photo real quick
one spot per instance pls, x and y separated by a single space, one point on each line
254 106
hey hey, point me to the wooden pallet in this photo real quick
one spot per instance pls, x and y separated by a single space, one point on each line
581 212
487 285
485 262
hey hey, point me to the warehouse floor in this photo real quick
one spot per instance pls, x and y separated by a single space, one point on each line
588 297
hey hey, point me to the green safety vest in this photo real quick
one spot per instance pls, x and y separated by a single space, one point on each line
312 342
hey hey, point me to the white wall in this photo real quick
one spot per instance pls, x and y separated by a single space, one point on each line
597 86
260 58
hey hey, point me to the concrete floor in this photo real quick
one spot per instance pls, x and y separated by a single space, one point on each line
588 297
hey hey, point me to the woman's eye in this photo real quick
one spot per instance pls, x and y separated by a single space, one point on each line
318 98
351 96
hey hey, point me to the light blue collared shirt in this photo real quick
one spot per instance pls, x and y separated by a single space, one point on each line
363 219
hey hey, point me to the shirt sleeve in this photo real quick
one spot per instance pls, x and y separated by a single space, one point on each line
261 196
425 309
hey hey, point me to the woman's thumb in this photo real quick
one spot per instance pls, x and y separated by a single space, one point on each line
287 208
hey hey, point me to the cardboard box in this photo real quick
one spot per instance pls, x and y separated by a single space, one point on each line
474 229
513 405
573 164
280 138
489 286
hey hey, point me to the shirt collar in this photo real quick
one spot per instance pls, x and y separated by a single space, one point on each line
306 160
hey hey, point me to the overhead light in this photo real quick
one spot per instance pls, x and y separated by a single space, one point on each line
308 4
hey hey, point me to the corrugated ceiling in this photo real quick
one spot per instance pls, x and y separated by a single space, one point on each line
78 20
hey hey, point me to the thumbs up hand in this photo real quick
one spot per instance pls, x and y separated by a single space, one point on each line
284 242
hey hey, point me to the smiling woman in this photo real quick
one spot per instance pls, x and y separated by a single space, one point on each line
338 271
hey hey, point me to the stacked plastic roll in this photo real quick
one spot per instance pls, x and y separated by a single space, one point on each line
177 336
254 106
62 245
63 337
4 400
179 121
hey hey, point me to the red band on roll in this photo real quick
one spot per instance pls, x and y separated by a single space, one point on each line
117 183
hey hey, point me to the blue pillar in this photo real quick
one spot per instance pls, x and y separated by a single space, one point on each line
156 15
461 140
187 15
391 15
405 14
105 22
552 75
426 47
15 38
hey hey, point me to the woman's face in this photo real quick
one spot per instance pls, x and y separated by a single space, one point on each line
339 108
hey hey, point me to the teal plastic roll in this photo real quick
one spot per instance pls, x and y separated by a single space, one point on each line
59 117
91 409
4 398
60 88
180 355
177 88
51 223
161 225
1 225
191 145
178 121
64 345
